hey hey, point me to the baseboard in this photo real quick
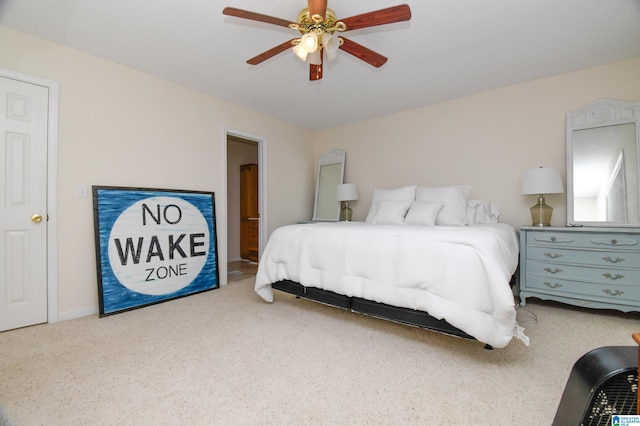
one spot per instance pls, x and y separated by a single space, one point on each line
64 316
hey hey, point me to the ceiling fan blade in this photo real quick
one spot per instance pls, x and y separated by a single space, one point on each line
270 53
378 17
239 13
315 71
318 7
361 52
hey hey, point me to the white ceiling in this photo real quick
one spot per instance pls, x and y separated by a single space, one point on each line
450 48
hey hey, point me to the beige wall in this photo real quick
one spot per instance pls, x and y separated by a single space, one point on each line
485 140
118 126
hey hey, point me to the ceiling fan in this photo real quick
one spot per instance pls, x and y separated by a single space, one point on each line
317 25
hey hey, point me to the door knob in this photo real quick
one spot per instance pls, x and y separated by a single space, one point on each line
36 218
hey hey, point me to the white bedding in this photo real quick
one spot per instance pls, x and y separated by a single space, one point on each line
457 273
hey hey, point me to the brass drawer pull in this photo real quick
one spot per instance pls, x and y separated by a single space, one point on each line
612 292
614 241
611 260
613 277
554 285
553 255
553 238
553 271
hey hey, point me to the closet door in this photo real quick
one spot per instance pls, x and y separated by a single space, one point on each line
249 215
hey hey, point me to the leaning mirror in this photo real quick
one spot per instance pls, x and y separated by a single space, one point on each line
602 164
330 175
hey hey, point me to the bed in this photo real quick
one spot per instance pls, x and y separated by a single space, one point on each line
425 269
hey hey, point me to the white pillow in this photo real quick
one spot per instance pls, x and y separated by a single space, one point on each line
454 199
390 212
421 213
406 193
479 212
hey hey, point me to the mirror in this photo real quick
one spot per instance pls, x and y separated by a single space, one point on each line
330 175
602 164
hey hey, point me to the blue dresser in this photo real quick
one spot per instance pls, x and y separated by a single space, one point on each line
589 267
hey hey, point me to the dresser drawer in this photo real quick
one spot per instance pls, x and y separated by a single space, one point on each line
584 273
611 259
617 293
597 268
584 240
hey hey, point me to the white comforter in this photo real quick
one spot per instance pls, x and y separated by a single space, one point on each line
460 274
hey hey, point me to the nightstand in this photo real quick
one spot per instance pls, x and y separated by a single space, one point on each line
589 267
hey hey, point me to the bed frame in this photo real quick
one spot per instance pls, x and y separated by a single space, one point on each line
379 310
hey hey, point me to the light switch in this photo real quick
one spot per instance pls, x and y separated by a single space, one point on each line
82 190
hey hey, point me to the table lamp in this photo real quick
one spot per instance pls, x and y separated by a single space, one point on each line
346 192
543 180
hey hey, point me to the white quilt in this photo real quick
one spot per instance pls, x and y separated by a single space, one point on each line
458 273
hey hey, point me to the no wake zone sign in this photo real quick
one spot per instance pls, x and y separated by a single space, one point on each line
153 245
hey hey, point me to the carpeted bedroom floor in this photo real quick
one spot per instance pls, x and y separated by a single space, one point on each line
227 357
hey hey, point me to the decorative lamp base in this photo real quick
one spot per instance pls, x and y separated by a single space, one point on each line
346 213
541 213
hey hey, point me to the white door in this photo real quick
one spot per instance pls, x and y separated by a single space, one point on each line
23 203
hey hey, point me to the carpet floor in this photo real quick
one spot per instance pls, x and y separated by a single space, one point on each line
228 357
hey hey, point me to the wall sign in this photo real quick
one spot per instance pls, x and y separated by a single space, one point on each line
153 245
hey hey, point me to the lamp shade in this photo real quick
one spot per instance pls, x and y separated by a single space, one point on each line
309 42
300 51
542 180
315 57
331 44
347 192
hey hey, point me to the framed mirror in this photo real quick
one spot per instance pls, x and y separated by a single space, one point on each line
330 175
603 186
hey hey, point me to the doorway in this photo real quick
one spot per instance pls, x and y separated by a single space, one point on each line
28 254
243 150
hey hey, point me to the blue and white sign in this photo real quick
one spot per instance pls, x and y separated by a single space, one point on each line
153 245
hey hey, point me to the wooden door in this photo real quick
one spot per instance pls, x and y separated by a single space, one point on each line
249 215
23 211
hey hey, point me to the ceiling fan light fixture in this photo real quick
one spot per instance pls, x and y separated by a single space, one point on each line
315 58
300 51
309 41
331 43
